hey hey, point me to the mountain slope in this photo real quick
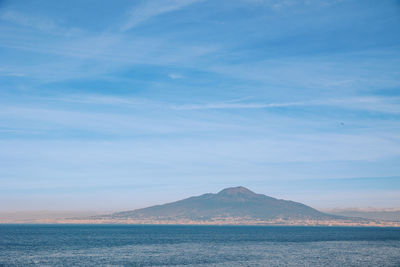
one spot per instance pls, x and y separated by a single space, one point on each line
380 215
235 202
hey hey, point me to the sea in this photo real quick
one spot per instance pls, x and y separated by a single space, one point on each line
174 245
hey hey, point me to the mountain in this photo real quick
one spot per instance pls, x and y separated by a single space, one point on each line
230 204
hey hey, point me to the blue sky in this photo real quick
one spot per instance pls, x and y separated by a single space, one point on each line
112 105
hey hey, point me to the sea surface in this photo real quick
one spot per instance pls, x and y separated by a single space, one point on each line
134 245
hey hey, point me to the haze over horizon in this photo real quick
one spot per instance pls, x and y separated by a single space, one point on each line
126 104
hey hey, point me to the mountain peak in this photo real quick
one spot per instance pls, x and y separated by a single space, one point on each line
236 190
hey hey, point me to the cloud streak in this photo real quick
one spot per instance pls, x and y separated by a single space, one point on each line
40 23
149 9
379 104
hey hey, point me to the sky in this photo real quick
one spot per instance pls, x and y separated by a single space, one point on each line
117 105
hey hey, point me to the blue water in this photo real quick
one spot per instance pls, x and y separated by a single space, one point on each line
133 245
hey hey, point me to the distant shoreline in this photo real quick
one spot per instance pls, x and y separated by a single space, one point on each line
82 222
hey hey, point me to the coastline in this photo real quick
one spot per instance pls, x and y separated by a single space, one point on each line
205 223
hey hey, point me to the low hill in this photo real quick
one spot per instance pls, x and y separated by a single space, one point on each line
381 215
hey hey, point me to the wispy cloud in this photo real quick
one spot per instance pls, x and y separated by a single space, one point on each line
40 23
389 105
175 76
99 56
228 105
25 20
379 104
369 103
10 74
149 9
105 100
